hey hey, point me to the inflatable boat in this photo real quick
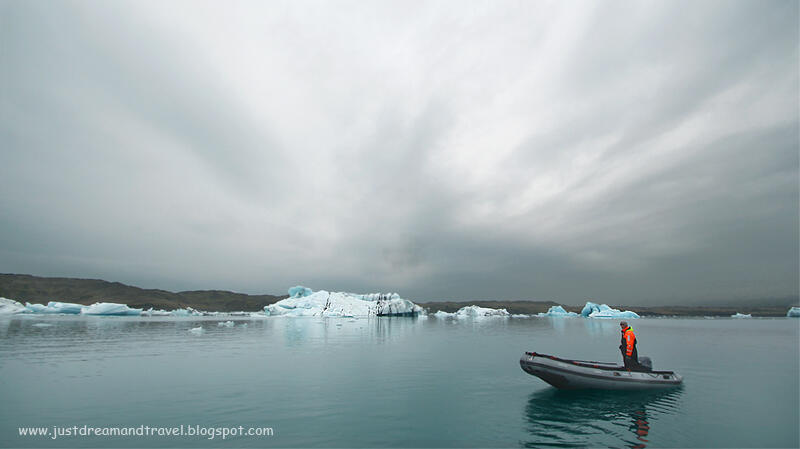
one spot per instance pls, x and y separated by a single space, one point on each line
581 374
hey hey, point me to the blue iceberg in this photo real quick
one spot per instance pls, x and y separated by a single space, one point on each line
557 311
341 304
794 312
110 308
592 310
55 307
299 292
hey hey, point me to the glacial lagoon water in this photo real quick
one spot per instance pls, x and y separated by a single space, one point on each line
392 382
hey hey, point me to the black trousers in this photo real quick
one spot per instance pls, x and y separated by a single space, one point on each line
632 361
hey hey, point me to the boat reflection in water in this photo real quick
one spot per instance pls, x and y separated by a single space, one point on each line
559 418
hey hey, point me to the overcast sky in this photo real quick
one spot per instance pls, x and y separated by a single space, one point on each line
628 152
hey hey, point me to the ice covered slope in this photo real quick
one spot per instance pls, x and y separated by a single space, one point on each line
794 312
305 302
9 306
592 310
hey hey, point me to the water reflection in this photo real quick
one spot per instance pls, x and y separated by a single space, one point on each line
557 418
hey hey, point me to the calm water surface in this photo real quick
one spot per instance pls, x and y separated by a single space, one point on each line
393 382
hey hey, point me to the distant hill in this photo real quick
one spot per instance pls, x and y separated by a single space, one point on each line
23 287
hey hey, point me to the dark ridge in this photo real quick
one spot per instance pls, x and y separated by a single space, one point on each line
34 289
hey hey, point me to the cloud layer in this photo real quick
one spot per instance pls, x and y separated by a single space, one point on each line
631 153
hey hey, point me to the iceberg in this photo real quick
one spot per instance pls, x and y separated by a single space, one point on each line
225 323
476 312
520 315
340 304
9 306
55 307
794 312
557 311
196 330
480 312
300 291
109 308
592 310
742 315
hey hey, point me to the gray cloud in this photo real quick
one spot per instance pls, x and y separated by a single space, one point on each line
641 153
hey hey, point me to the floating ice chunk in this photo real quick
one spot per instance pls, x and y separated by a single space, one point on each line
520 315
243 325
42 325
9 306
158 312
109 308
196 330
299 291
557 311
55 307
479 312
794 312
65 307
443 314
340 304
593 310
185 312
742 315
225 323
36 308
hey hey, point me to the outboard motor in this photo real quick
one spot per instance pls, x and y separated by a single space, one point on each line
646 363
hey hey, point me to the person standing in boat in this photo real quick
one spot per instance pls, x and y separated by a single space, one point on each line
628 347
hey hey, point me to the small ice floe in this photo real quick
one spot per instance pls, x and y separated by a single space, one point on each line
243 325
42 325
443 314
196 330
155 312
742 315
185 312
110 308
794 312
225 323
9 307
557 311
520 315
592 310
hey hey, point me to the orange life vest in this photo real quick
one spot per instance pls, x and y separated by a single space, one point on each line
628 340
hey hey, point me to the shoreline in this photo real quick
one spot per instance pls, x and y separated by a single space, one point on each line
35 289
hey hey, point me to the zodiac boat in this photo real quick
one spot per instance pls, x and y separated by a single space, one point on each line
581 374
